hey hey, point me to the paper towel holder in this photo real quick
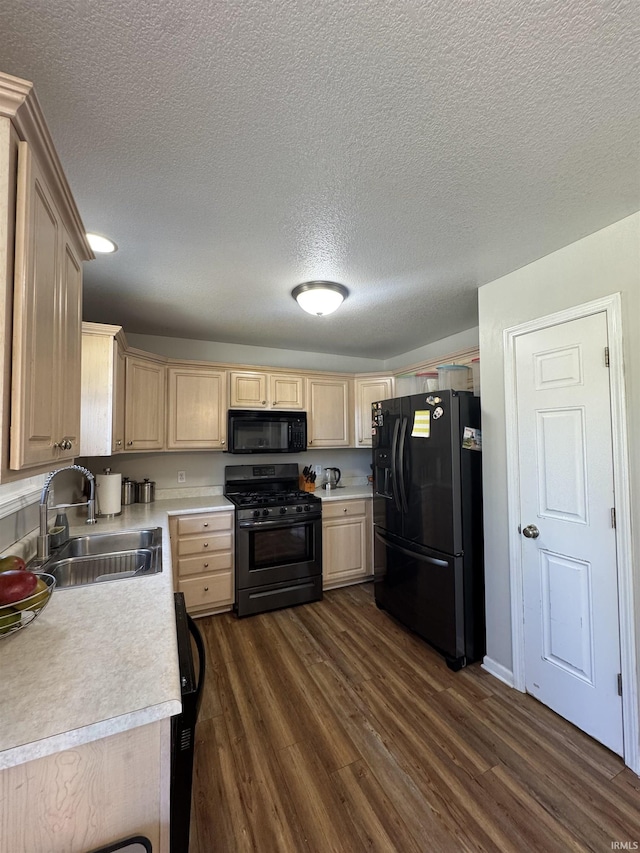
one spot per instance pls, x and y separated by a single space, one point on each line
114 496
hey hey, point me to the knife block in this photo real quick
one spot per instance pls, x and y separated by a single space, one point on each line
305 486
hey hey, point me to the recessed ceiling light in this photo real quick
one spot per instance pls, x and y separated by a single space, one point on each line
320 297
101 244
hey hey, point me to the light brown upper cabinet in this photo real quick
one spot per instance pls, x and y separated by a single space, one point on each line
197 410
369 389
103 387
41 252
144 410
255 389
329 412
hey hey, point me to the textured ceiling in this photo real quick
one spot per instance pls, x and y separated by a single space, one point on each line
410 150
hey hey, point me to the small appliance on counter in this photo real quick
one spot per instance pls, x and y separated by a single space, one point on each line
331 478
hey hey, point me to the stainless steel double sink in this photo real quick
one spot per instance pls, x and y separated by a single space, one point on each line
98 557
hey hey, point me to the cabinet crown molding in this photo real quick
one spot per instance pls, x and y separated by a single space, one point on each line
19 102
13 94
101 329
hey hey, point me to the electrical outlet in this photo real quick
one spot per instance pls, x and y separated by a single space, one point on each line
182 476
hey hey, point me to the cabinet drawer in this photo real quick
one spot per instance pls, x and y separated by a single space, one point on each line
340 509
207 590
188 524
204 544
206 563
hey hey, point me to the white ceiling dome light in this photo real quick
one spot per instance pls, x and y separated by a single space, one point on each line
320 297
101 244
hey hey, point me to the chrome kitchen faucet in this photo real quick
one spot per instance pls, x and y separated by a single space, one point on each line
43 538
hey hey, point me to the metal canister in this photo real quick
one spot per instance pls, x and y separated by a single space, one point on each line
146 491
128 491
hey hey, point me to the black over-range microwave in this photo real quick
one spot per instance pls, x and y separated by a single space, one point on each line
266 432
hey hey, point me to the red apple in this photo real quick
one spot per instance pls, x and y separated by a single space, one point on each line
12 562
16 584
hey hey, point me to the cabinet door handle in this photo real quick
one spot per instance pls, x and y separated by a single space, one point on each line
206 565
205 545
129 443
119 442
206 523
344 510
206 589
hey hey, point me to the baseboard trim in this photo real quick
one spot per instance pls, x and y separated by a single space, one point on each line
498 671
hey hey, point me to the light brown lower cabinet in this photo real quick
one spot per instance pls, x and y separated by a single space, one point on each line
346 542
202 549
90 795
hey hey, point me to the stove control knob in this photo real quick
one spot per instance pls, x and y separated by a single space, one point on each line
256 513
307 508
283 509
265 512
298 509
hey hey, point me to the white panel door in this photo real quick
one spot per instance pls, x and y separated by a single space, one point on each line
571 625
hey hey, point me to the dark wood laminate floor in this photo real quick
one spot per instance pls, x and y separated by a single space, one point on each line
329 727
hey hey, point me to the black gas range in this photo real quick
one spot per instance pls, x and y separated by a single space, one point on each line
278 541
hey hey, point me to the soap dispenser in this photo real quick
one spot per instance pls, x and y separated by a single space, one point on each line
59 533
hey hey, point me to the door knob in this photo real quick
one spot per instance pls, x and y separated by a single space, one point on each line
531 531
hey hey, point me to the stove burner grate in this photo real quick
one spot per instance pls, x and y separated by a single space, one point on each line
249 499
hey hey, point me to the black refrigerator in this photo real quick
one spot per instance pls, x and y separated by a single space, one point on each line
427 508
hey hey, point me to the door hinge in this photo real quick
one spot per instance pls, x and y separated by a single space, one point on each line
619 684
606 356
613 516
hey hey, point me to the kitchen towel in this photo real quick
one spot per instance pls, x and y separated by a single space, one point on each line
109 494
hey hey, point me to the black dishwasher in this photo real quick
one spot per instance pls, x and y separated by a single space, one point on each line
183 725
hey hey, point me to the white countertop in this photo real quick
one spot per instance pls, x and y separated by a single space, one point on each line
346 493
101 659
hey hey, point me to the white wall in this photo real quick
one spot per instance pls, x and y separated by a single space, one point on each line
463 340
237 354
204 469
263 356
603 263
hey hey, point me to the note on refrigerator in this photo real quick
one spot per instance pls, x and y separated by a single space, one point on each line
421 424
472 438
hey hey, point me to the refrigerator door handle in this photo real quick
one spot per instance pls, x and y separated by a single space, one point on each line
422 557
394 466
402 442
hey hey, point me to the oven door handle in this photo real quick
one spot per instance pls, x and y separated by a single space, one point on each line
277 522
197 638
